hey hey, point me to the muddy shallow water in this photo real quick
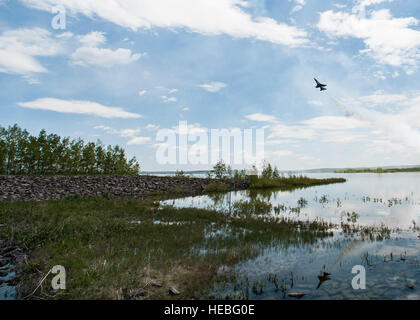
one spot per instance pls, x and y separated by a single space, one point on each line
391 265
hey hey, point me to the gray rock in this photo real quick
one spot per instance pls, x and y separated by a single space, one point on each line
4 273
138 293
156 284
58 188
297 295
173 291
4 262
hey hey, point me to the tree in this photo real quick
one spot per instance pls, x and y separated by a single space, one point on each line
180 174
220 169
267 171
45 154
3 150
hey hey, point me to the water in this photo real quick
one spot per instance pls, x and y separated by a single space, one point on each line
391 265
7 292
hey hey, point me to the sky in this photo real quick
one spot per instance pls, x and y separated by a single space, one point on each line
121 70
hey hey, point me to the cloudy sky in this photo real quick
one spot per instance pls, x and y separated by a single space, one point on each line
123 69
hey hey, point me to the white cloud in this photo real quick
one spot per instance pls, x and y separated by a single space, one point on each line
296 9
379 74
142 92
139 140
152 127
210 17
286 131
334 123
299 4
103 57
399 127
260 117
389 40
394 129
325 128
277 142
396 74
78 107
122 133
194 128
277 154
168 99
93 39
213 86
360 6
384 147
315 103
173 91
90 54
344 137
65 35
308 159
127 133
379 99
19 49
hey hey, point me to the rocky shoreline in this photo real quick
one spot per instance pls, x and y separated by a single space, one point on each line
20 188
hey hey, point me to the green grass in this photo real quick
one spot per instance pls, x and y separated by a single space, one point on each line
379 170
291 182
215 187
111 247
252 207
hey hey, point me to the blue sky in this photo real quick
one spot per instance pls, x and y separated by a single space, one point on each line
120 71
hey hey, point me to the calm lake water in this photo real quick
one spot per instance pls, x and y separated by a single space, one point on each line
279 269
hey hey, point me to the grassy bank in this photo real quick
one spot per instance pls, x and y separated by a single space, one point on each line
122 249
379 170
291 182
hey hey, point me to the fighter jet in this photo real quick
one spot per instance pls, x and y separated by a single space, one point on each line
320 85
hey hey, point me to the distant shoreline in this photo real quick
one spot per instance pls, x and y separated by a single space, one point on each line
379 170
385 169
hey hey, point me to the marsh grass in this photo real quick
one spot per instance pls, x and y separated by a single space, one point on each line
251 207
373 233
215 187
110 247
291 182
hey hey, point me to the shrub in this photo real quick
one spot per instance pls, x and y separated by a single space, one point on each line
215 187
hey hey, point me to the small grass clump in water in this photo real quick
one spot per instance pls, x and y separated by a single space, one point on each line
252 207
349 226
302 203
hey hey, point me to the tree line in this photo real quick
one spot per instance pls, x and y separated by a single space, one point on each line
50 154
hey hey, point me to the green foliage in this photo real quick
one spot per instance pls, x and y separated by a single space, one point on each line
252 207
292 182
50 154
220 170
239 175
109 246
180 174
271 178
302 202
215 187
352 217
